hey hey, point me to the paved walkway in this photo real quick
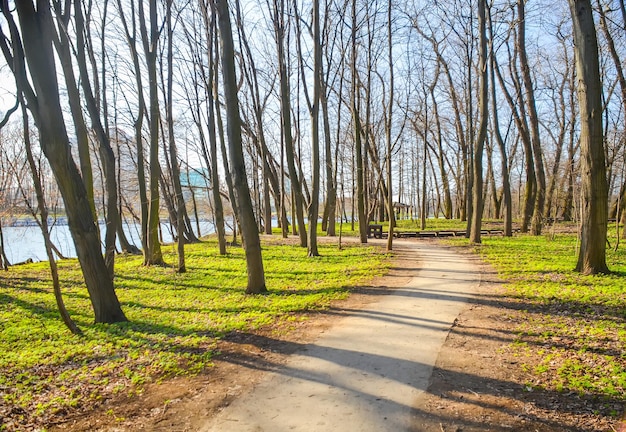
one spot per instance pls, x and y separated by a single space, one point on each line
365 373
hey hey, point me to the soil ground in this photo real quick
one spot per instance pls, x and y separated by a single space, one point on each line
478 383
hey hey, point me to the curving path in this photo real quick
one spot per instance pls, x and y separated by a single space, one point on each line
366 372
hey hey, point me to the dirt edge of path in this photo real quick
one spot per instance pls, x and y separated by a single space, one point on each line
480 381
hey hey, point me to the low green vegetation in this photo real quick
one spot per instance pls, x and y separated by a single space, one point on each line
572 331
441 224
344 227
432 224
175 320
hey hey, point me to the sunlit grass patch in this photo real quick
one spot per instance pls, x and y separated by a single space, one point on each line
573 325
175 320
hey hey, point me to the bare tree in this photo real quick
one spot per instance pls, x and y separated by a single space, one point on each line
181 210
33 47
540 195
356 124
4 181
104 144
483 100
388 127
315 130
252 245
280 30
592 252
507 200
130 32
202 72
43 225
152 248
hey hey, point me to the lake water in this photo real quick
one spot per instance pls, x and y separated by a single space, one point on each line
26 242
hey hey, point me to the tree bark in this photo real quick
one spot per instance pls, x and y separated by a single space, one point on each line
152 251
519 116
179 200
112 217
285 109
358 145
313 212
540 193
507 200
594 196
621 79
63 49
43 224
131 38
388 126
483 100
45 105
447 197
218 207
252 244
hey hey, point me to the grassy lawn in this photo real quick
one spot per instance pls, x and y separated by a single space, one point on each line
175 320
432 224
440 224
345 227
572 333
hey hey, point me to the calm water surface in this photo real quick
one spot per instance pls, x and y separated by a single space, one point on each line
26 242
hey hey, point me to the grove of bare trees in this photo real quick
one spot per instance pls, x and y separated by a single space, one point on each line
286 114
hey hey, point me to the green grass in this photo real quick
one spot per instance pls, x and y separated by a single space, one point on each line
346 230
175 320
432 224
440 224
573 327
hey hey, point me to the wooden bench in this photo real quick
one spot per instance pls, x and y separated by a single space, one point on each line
375 230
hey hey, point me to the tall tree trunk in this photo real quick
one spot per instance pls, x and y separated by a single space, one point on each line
283 191
125 244
592 252
112 217
181 208
568 202
358 146
4 261
491 183
330 209
131 38
447 196
224 151
210 155
152 251
218 208
252 244
285 109
458 124
43 224
621 79
63 48
507 200
519 116
315 133
424 195
271 184
483 100
388 126
45 105
540 193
